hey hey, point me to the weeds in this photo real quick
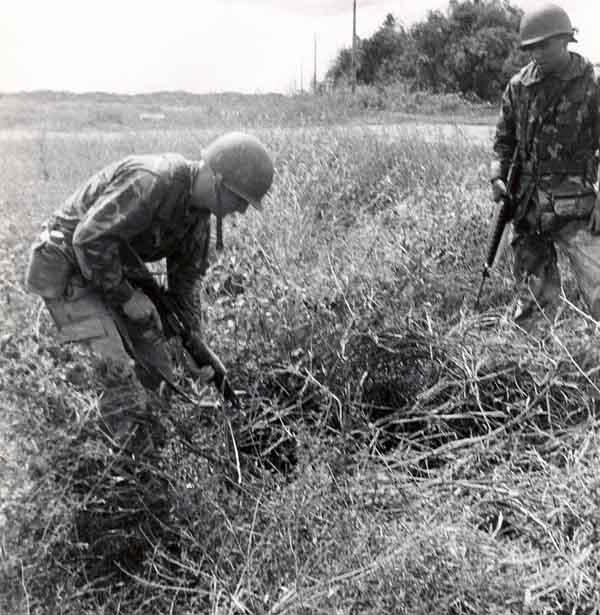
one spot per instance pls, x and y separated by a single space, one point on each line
398 452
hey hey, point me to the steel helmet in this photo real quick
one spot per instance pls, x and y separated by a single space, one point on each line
243 165
544 22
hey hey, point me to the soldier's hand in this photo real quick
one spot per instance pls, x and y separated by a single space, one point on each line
205 375
594 223
499 190
140 309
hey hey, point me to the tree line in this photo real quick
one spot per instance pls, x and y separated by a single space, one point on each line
472 48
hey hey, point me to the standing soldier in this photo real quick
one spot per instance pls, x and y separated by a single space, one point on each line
140 209
549 127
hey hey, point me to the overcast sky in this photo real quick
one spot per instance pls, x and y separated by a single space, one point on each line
131 46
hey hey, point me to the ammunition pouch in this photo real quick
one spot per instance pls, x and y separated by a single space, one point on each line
559 206
49 268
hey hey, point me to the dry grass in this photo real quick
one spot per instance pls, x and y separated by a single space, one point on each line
398 453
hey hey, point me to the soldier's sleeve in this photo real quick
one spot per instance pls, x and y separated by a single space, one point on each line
187 266
505 137
125 209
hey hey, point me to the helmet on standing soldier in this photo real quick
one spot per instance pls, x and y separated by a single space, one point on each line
543 22
242 164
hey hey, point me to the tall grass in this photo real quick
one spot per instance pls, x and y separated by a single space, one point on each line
398 452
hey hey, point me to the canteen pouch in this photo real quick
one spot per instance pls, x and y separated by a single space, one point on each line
49 267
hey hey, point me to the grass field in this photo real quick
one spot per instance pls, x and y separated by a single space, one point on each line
84 112
399 453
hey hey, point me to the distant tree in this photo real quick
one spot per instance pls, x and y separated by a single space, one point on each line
340 71
431 39
382 53
472 49
377 57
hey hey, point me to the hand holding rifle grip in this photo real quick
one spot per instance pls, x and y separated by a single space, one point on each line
196 346
176 323
203 355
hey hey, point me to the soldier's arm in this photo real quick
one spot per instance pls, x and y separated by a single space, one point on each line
125 209
505 138
186 267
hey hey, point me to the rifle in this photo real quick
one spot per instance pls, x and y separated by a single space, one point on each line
176 323
219 242
504 214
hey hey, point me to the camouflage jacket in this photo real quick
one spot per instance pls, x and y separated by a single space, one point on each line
554 121
143 201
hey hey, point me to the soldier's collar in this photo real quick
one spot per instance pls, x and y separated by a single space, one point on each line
573 69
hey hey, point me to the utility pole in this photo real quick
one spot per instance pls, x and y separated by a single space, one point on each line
315 67
353 76
301 79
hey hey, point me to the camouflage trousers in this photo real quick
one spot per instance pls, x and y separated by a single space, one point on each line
536 268
139 356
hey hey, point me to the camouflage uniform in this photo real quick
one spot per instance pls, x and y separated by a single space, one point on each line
554 121
142 203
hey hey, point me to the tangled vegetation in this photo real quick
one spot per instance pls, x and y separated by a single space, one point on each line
396 452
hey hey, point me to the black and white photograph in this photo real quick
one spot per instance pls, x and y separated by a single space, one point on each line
300 307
